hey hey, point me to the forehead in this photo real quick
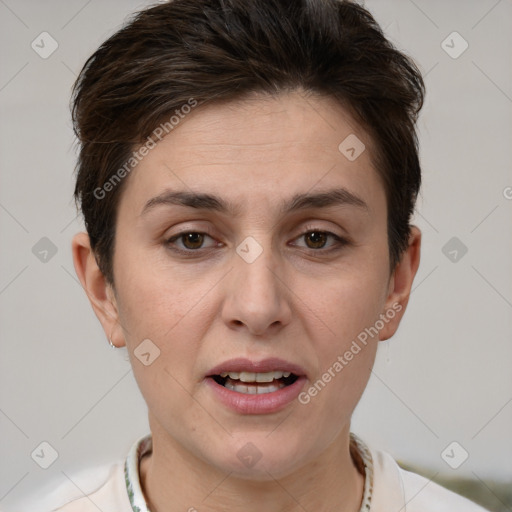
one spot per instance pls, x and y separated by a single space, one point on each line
261 149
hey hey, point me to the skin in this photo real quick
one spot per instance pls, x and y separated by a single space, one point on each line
302 302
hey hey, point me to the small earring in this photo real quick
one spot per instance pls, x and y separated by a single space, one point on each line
110 342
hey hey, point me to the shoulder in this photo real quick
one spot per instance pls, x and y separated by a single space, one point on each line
111 495
425 496
395 487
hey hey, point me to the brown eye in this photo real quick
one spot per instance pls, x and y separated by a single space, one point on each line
189 242
321 242
192 240
318 239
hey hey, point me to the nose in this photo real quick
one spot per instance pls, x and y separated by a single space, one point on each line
256 293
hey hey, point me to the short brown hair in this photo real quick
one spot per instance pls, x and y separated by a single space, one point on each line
222 50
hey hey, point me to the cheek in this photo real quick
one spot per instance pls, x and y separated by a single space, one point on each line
349 312
154 297
158 307
169 310
346 303
346 311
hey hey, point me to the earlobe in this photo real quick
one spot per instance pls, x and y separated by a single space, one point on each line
401 284
95 285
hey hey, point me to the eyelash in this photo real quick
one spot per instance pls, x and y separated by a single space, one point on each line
340 242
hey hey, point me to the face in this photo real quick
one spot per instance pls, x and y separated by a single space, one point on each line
280 269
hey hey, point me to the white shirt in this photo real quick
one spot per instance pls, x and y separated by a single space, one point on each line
387 488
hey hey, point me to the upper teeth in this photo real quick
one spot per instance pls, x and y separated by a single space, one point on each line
255 377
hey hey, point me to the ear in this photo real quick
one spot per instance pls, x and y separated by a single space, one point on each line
400 285
100 293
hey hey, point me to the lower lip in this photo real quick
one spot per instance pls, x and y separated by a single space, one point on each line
257 404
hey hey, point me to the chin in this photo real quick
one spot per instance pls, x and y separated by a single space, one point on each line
261 457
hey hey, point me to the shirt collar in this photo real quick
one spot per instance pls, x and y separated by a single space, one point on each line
131 473
144 445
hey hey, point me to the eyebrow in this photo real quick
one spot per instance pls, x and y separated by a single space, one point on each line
203 201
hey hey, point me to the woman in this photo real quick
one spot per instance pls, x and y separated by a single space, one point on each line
247 174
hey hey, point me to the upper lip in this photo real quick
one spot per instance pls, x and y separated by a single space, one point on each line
241 364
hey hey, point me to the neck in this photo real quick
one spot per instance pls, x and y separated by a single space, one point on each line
175 480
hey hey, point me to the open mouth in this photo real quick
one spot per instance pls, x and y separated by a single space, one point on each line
250 383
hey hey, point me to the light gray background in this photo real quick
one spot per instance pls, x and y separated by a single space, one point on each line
446 376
